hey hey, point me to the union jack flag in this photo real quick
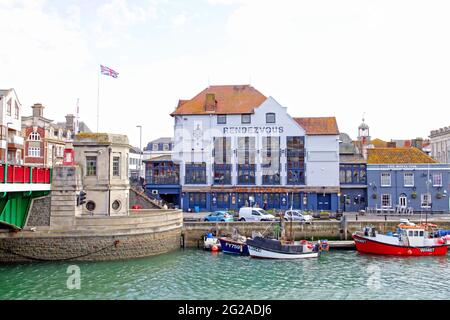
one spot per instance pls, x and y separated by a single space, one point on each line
109 72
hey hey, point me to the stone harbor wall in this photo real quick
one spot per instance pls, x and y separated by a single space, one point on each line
143 233
39 212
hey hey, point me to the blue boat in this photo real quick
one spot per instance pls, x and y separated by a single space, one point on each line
234 246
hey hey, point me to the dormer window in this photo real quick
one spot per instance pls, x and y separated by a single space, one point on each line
155 147
246 119
221 119
270 117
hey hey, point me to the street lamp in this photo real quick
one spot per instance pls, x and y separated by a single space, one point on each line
140 151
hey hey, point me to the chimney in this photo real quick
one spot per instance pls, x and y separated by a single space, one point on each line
70 123
210 103
38 110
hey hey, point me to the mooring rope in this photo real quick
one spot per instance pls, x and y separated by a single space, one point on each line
115 243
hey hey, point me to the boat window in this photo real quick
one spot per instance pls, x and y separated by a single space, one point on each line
410 233
416 233
421 233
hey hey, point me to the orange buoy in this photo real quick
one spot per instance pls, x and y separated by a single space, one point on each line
214 248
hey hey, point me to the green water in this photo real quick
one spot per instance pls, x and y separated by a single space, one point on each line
195 274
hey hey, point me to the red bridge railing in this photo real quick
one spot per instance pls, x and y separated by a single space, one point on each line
22 174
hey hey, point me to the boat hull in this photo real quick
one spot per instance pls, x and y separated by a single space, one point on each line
367 245
257 252
233 247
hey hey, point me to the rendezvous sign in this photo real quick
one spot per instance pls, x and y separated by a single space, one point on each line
253 130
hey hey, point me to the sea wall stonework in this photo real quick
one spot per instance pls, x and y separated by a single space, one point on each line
88 248
39 214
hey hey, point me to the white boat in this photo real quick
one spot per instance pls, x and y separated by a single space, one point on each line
211 243
264 248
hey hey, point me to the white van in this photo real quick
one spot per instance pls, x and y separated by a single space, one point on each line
254 214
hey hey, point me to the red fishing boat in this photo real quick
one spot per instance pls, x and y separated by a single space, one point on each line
409 240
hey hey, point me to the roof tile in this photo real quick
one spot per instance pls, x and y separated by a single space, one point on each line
319 126
397 156
231 99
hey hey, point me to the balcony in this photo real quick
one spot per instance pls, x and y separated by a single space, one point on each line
15 140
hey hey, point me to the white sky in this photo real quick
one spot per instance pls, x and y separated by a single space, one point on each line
387 58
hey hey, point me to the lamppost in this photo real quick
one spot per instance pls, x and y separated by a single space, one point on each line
140 151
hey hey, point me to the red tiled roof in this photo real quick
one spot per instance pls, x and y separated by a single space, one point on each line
397 156
230 99
319 126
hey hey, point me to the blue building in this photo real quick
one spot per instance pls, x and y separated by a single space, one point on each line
404 179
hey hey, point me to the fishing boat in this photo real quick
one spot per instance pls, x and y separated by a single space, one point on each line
236 244
211 243
409 240
265 248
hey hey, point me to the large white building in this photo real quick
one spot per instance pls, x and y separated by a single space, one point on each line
440 144
235 147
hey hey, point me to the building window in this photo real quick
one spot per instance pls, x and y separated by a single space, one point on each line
270 160
166 147
222 200
295 160
16 111
221 119
437 180
197 200
385 179
155 147
90 206
222 160
116 205
34 136
91 166
116 166
386 200
165 172
408 179
246 155
270 117
34 152
8 107
195 173
352 174
246 119
425 200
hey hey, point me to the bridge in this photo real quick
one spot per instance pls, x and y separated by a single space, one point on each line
19 185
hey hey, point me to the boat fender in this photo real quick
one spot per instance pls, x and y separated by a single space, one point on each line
409 252
214 248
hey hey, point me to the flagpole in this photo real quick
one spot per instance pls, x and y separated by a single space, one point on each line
98 100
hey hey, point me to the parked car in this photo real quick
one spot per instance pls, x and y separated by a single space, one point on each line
254 214
223 216
297 215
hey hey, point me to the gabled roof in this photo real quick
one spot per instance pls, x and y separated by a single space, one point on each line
397 156
230 99
319 125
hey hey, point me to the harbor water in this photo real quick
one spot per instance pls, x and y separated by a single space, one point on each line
198 275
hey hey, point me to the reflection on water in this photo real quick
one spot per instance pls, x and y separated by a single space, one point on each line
194 274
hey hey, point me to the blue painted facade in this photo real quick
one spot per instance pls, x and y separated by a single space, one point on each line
406 186
211 201
162 181
353 180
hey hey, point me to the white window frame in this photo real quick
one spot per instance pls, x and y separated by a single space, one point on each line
390 200
384 176
34 152
166 147
435 179
411 182
155 147
34 136
422 200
